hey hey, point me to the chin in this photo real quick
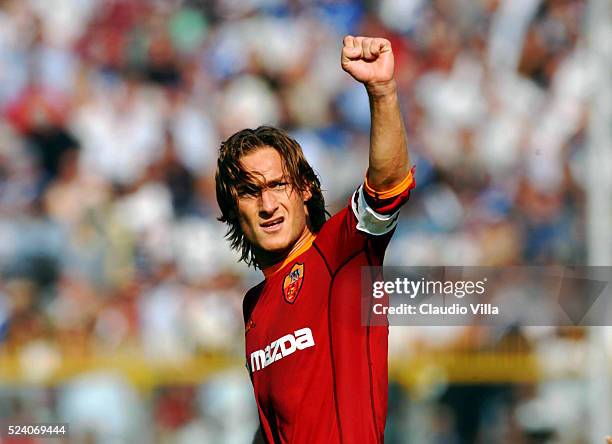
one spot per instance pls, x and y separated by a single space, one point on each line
276 245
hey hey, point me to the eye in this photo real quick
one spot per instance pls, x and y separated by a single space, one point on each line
248 191
280 185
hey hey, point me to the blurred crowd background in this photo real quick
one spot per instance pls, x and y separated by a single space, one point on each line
120 301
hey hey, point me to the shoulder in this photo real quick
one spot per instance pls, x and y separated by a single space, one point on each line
250 300
336 229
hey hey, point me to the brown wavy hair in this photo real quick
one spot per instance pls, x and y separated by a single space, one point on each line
232 180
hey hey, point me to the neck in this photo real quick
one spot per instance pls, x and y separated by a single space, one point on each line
267 259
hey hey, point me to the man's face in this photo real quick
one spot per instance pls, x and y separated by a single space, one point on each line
274 217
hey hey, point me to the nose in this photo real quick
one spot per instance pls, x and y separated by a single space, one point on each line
269 203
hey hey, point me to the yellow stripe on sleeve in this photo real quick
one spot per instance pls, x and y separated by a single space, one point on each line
393 192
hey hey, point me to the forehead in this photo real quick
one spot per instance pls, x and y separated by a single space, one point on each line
265 161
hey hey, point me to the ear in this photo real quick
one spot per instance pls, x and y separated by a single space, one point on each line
306 194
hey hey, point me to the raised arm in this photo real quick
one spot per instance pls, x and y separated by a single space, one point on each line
370 61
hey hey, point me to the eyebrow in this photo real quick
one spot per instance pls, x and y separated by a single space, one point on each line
250 187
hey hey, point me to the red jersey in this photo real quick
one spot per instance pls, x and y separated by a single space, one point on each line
320 375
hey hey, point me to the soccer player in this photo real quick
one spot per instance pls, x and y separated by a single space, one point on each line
319 374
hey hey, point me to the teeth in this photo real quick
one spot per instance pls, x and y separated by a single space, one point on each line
272 224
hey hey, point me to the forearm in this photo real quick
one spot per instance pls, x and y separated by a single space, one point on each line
370 61
389 161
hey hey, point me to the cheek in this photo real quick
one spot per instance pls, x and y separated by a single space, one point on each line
244 225
299 213
245 216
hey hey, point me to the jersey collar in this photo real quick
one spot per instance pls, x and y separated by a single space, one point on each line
273 269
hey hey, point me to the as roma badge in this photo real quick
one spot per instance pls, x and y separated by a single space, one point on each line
293 283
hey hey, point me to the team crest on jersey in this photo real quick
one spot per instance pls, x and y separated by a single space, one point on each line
293 283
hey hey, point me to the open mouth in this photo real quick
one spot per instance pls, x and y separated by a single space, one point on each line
272 225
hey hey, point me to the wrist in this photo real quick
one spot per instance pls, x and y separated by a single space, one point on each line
381 90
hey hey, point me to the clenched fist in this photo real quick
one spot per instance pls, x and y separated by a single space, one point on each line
369 60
